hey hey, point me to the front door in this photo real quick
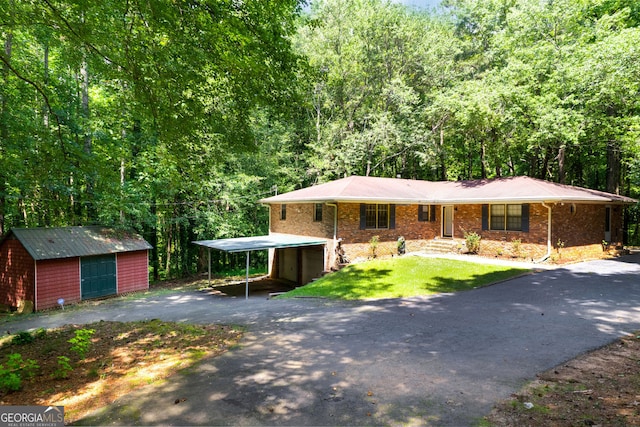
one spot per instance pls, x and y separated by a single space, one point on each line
447 221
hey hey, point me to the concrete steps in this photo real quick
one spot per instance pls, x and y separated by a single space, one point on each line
441 246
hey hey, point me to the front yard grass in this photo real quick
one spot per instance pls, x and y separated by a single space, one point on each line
404 277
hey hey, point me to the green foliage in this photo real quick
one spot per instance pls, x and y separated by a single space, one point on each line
516 247
81 342
188 116
22 338
374 66
16 370
64 368
472 240
373 245
9 381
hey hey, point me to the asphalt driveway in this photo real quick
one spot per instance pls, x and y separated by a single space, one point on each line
441 360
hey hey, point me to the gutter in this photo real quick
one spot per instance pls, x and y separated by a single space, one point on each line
548 254
335 220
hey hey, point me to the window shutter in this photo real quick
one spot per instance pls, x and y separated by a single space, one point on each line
363 216
432 213
485 217
420 213
525 218
392 216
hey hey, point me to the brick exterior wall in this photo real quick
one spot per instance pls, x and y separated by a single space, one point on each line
132 271
17 273
57 278
529 245
300 220
580 233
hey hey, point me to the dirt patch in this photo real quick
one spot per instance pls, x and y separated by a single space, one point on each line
600 388
120 357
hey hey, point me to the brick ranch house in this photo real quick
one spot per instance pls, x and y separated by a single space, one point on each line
43 265
517 216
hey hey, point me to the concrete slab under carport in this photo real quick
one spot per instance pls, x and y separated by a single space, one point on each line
259 287
257 243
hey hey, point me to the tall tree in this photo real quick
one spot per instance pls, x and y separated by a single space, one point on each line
375 66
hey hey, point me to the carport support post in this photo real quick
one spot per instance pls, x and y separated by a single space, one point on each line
209 267
246 289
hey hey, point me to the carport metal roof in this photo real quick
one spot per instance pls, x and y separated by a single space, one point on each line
257 243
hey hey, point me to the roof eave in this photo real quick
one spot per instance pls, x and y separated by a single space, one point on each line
453 201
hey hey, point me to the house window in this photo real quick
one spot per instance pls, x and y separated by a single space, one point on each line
317 212
376 216
426 212
506 217
283 212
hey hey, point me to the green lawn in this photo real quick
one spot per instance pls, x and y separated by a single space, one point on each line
404 277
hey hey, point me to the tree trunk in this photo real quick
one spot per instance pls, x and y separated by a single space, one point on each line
155 261
4 133
45 63
87 139
561 164
483 160
167 266
443 160
613 167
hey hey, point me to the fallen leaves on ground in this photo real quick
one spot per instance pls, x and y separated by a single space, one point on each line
121 358
598 388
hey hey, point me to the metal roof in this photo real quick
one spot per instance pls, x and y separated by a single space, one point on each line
521 189
256 243
69 242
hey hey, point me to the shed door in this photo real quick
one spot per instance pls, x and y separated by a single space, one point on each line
98 276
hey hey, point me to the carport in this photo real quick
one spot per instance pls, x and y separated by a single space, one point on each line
257 243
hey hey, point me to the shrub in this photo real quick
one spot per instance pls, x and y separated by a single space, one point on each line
22 338
473 242
11 376
81 342
64 368
516 247
373 243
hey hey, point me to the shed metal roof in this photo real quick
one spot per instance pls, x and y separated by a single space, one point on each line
521 189
256 243
70 242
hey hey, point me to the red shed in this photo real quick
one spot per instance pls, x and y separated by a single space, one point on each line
45 265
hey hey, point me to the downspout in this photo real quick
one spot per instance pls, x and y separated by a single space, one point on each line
548 254
335 233
335 220
272 252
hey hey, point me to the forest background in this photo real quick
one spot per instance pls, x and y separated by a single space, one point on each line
174 117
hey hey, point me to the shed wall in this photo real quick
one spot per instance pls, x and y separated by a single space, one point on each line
133 271
17 273
57 278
